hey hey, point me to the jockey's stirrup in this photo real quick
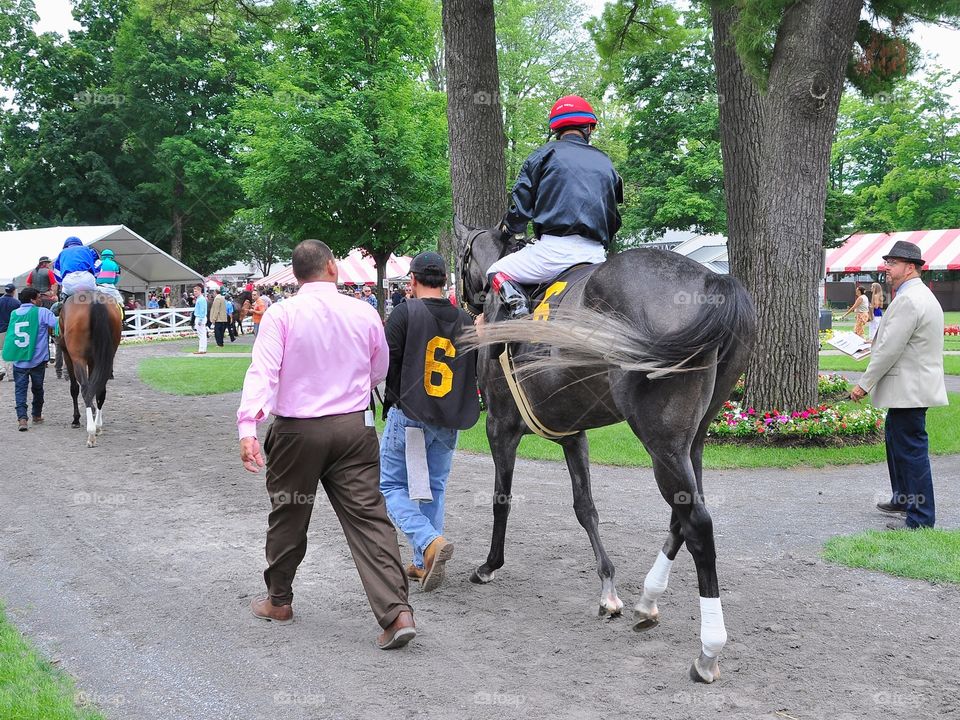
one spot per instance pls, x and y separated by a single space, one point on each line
511 295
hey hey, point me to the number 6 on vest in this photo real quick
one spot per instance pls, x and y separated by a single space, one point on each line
432 366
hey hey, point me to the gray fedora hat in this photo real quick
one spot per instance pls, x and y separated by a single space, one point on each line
903 250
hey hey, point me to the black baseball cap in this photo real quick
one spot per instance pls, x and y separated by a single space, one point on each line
428 262
9 287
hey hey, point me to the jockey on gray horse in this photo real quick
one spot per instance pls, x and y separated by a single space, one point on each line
570 191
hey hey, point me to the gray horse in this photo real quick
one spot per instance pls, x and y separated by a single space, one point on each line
649 337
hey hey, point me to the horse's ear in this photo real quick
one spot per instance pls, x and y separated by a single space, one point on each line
460 230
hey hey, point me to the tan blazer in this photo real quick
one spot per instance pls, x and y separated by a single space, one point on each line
218 310
906 361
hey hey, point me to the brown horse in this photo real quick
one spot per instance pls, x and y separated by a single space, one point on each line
90 325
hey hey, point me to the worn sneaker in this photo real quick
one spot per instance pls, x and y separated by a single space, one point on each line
22 424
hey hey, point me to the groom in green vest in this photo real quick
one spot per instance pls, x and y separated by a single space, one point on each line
26 346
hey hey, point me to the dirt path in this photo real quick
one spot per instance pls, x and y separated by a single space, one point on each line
133 564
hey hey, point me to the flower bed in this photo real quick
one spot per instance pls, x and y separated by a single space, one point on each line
830 386
824 425
157 338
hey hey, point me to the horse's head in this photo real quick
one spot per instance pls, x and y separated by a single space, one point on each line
477 250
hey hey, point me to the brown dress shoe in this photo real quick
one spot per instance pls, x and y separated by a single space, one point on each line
264 609
435 558
415 573
399 633
37 420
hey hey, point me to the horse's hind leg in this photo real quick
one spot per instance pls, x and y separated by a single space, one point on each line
98 419
645 613
576 452
504 438
74 393
677 481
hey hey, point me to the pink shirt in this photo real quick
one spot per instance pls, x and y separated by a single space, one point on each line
316 354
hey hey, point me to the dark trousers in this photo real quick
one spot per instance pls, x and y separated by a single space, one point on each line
908 462
33 377
342 454
232 328
219 328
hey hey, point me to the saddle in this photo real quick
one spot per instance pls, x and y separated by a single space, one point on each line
549 293
541 297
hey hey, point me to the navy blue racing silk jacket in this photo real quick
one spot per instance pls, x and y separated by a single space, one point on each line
567 187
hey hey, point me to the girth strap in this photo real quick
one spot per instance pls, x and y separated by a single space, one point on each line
523 405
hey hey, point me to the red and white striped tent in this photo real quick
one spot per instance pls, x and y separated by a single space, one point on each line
355 269
864 252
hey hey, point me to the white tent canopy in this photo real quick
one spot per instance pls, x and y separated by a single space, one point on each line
143 265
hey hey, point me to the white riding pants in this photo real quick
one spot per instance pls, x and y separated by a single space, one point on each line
79 281
548 257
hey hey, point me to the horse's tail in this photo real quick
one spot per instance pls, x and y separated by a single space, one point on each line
101 349
585 337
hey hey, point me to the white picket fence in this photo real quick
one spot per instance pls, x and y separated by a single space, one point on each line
159 323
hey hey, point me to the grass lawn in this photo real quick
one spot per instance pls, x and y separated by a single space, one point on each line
30 687
617 445
194 375
922 554
613 445
951 363
228 347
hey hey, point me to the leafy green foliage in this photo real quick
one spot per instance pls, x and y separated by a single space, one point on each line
897 155
673 174
341 139
543 53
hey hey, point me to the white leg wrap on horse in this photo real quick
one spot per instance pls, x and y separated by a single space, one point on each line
99 418
713 634
655 583
91 423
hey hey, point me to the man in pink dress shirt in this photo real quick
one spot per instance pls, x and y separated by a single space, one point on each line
316 359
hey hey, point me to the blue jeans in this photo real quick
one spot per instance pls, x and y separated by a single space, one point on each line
421 522
32 376
908 462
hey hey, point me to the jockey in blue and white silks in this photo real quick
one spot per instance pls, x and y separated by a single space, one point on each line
76 267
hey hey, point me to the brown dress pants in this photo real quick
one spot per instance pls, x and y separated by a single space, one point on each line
342 454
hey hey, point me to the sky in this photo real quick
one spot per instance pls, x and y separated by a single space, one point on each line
945 43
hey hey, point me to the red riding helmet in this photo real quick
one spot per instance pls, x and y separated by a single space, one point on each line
571 110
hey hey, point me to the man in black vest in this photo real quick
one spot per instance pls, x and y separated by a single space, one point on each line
431 394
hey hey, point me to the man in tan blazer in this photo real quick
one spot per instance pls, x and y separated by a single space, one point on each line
905 375
218 316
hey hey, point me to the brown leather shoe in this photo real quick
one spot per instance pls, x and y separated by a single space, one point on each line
415 573
264 609
435 557
22 424
399 633
37 420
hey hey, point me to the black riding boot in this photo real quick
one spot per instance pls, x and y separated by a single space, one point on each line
511 296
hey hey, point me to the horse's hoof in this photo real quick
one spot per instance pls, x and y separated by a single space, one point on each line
99 431
91 443
610 605
645 620
479 578
705 669
75 424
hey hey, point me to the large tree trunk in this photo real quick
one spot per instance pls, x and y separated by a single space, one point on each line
741 128
176 242
381 258
474 120
776 224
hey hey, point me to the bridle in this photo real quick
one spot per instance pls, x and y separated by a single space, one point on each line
510 245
